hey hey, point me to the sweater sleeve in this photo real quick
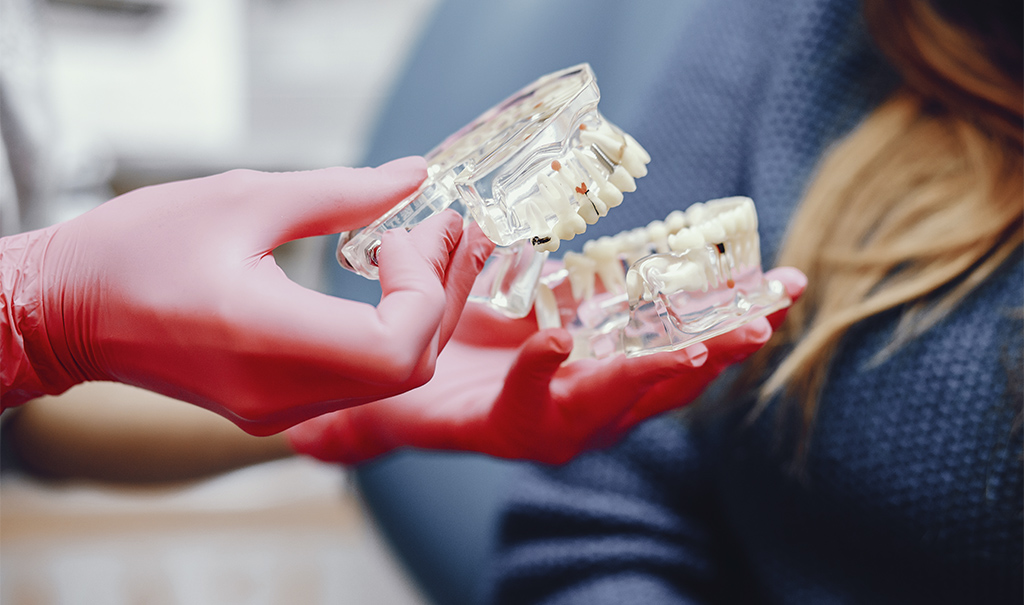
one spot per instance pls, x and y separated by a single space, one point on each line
634 524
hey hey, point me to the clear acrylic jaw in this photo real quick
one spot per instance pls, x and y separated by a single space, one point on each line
676 282
532 171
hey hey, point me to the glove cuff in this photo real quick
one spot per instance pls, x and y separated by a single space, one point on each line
28 365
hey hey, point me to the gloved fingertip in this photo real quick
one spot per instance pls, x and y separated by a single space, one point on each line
792 279
758 331
407 169
559 341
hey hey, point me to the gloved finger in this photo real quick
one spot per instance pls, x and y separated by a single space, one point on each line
795 282
465 265
736 345
528 380
294 205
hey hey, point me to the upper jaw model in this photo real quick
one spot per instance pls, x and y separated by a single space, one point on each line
532 171
539 168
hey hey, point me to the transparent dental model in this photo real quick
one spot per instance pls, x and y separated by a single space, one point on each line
532 171
676 282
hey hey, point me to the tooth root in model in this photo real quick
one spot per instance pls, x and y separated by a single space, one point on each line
675 221
605 254
605 191
582 270
714 235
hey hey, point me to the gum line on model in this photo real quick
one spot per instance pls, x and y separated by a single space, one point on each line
539 168
532 171
673 283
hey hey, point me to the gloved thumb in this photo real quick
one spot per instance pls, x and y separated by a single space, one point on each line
330 200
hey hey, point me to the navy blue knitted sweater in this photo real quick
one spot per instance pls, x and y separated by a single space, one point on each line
912 489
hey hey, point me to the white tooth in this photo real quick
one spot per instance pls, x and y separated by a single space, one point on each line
637 148
675 220
608 194
591 208
569 223
549 246
635 244
683 276
582 270
686 239
546 306
635 287
611 147
604 251
730 222
622 180
657 234
712 231
633 162
696 214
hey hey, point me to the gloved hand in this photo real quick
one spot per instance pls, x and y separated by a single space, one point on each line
496 394
174 288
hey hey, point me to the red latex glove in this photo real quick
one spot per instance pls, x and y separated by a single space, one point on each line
496 394
173 288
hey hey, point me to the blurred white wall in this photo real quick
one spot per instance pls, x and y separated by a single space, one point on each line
175 88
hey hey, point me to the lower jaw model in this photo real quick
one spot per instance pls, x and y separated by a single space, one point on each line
673 283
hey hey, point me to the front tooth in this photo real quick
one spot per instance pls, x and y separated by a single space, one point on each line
609 194
604 251
622 180
686 239
582 270
675 220
546 307
637 148
634 162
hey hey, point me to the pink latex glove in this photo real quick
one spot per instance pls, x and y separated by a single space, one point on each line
497 394
174 288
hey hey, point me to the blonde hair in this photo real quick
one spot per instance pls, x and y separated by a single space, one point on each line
914 209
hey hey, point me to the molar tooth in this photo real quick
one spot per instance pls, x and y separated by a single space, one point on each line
712 231
569 223
622 180
657 234
582 270
686 239
675 220
696 214
682 276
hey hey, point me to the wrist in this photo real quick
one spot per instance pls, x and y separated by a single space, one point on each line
29 366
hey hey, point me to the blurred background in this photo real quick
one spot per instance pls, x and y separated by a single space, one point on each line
116 94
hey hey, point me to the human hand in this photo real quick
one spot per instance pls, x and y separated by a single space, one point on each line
174 288
497 394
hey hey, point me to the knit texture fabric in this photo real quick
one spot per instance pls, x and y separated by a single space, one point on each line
912 487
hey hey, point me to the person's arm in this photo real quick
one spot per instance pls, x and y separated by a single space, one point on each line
174 288
111 432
